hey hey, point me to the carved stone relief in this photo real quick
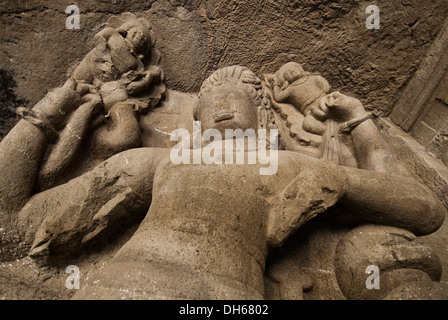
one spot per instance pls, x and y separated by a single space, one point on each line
93 161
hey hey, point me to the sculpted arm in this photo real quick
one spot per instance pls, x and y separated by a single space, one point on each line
88 209
120 132
372 151
153 75
281 95
393 200
21 151
384 192
386 199
70 139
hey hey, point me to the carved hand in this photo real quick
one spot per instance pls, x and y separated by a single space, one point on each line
344 108
152 75
90 95
58 103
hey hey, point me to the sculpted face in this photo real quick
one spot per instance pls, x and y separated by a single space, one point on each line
227 107
137 37
292 71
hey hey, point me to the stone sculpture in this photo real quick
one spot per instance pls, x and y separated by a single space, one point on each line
315 125
206 230
120 79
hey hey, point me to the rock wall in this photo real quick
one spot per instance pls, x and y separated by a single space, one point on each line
195 37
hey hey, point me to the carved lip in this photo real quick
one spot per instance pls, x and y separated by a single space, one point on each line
223 116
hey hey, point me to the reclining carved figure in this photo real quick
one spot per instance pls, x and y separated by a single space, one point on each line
206 229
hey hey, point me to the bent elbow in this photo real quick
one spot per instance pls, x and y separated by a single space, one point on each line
438 215
432 217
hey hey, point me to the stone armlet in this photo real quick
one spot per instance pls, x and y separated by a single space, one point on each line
44 125
347 127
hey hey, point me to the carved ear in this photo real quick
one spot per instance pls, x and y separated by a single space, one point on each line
262 118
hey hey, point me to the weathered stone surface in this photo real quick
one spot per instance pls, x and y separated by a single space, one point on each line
427 169
196 38
420 291
391 251
90 178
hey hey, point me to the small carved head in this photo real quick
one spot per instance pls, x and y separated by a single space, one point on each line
291 72
233 97
138 33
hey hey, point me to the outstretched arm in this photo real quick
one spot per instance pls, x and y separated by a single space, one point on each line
103 36
387 199
385 192
21 151
372 151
